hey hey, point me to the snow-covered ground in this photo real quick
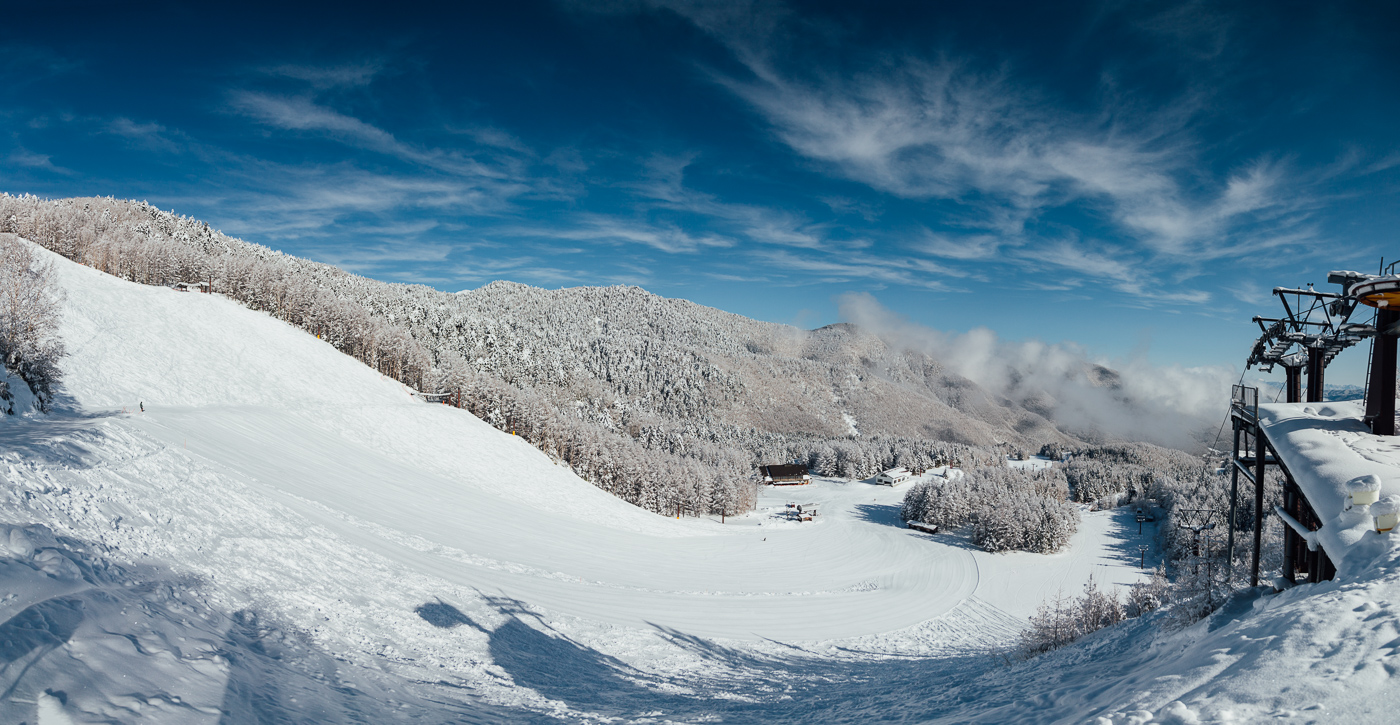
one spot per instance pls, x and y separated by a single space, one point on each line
284 535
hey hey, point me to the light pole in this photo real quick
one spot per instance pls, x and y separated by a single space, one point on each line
1142 556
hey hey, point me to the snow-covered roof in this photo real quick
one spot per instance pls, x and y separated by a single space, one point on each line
896 472
1327 447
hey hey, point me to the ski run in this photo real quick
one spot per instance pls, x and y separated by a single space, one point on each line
228 521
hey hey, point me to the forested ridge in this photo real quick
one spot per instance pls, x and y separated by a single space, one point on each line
632 389
637 392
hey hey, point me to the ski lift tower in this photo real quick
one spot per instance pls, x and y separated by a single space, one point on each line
1314 328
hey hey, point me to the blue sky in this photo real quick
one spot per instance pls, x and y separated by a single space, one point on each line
1131 177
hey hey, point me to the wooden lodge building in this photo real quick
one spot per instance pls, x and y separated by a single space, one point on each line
785 474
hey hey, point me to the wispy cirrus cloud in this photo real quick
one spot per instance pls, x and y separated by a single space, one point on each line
664 237
798 269
321 77
663 187
147 134
1007 155
966 247
1122 272
500 174
942 130
24 157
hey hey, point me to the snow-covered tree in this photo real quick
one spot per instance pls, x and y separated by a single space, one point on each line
29 313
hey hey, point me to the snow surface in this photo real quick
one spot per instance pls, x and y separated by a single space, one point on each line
285 536
1033 463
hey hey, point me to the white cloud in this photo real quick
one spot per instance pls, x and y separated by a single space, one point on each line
149 134
1171 405
848 266
27 158
664 188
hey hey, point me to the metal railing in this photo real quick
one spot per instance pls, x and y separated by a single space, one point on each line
1245 401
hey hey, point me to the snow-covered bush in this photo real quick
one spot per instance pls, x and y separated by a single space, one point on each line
1062 620
1148 596
29 308
1008 509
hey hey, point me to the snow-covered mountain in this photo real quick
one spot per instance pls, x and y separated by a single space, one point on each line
1272 390
646 351
226 520
627 357
621 384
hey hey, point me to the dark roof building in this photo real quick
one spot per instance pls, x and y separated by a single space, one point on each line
785 474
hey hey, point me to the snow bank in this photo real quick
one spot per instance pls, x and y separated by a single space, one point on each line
1329 451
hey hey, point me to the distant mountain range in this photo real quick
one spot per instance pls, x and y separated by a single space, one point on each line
636 358
1270 391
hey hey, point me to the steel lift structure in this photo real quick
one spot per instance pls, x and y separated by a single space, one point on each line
1316 326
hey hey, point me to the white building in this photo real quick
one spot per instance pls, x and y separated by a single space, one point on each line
894 476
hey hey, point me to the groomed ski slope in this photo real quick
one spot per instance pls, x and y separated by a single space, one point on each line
434 490
284 535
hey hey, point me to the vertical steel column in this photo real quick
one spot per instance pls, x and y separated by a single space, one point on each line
1290 537
1258 502
1293 377
1380 389
1234 493
1316 356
